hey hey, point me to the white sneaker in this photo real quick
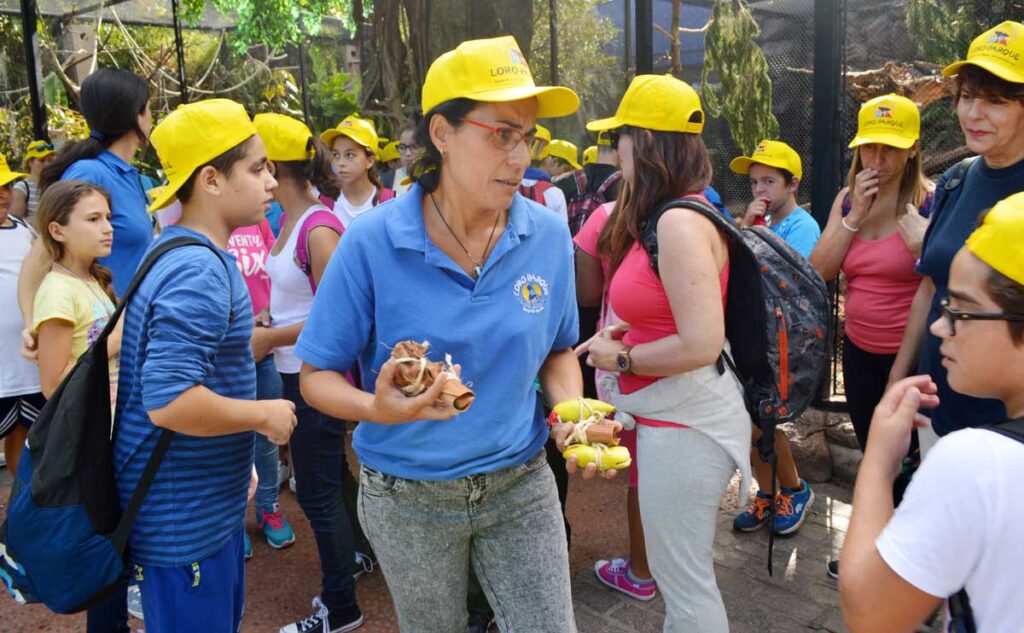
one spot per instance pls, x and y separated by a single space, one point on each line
320 622
135 602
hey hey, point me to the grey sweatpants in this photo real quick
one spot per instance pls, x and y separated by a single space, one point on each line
683 474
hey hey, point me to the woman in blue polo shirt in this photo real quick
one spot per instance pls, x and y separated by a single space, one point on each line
486 276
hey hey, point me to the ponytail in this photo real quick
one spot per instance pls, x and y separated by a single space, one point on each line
104 278
319 170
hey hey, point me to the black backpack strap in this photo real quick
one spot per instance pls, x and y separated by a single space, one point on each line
120 536
959 173
648 226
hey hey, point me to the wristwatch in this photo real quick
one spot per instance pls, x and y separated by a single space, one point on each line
622 360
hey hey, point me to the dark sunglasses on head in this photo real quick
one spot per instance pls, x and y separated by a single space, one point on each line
953 315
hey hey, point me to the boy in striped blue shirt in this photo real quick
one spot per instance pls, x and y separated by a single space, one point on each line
187 366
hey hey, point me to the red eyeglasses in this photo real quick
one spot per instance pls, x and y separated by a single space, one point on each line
509 138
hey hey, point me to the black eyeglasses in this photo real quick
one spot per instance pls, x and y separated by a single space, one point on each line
953 315
402 147
509 138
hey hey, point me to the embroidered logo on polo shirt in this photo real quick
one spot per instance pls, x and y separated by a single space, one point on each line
532 292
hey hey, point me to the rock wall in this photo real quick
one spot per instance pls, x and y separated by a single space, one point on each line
824 446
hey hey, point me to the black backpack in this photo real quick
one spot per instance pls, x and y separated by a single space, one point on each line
961 616
776 320
63 542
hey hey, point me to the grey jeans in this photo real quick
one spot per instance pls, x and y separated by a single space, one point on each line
683 474
506 524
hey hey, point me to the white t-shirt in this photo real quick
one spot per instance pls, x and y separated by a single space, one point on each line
290 295
959 525
30 189
554 198
18 377
347 212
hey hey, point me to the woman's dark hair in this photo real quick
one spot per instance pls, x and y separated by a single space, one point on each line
983 83
316 170
666 165
426 168
223 163
56 205
111 101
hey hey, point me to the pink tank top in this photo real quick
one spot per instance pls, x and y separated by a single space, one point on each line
638 298
880 286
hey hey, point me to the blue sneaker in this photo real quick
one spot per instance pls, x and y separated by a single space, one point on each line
756 515
275 527
247 548
791 508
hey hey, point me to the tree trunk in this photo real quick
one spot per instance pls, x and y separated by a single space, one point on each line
673 52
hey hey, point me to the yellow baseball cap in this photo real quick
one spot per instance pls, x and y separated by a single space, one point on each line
590 155
771 153
541 140
999 50
390 152
6 175
888 120
38 149
564 150
656 102
999 241
603 139
287 139
193 135
492 70
361 131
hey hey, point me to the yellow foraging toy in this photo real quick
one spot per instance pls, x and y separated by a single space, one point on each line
606 457
581 408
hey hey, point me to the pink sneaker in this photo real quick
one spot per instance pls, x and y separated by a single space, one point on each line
615 574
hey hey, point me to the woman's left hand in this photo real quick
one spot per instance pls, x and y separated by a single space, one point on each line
604 346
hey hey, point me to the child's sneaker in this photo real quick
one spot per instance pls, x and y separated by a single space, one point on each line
756 516
321 622
617 575
791 508
275 527
247 547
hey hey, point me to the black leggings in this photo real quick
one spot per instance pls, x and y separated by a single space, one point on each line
864 376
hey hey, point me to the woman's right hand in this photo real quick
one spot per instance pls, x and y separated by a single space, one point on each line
756 209
865 188
391 406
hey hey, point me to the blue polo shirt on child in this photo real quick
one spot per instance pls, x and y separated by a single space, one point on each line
800 230
177 334
387 282
133 228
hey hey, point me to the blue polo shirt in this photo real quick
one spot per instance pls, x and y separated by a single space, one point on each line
133 227
177 335
387 282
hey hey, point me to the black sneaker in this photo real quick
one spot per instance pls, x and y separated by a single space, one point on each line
479 623
321 622
833 569
364 564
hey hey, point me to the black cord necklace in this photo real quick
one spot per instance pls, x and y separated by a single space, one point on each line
478 265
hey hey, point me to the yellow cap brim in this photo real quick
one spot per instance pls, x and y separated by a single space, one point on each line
29 155
330 136
575 165
997 69
552 101
11 176
892 140
166 197
603 125
741 165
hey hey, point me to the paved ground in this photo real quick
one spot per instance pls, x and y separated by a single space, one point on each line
800 597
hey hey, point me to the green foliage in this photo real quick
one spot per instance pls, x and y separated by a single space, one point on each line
597 77
743 92
943 29
274 23
332 92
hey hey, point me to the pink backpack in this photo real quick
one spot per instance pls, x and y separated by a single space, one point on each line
320 217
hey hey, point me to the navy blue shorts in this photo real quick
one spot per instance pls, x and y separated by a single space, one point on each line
21 410
207 595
